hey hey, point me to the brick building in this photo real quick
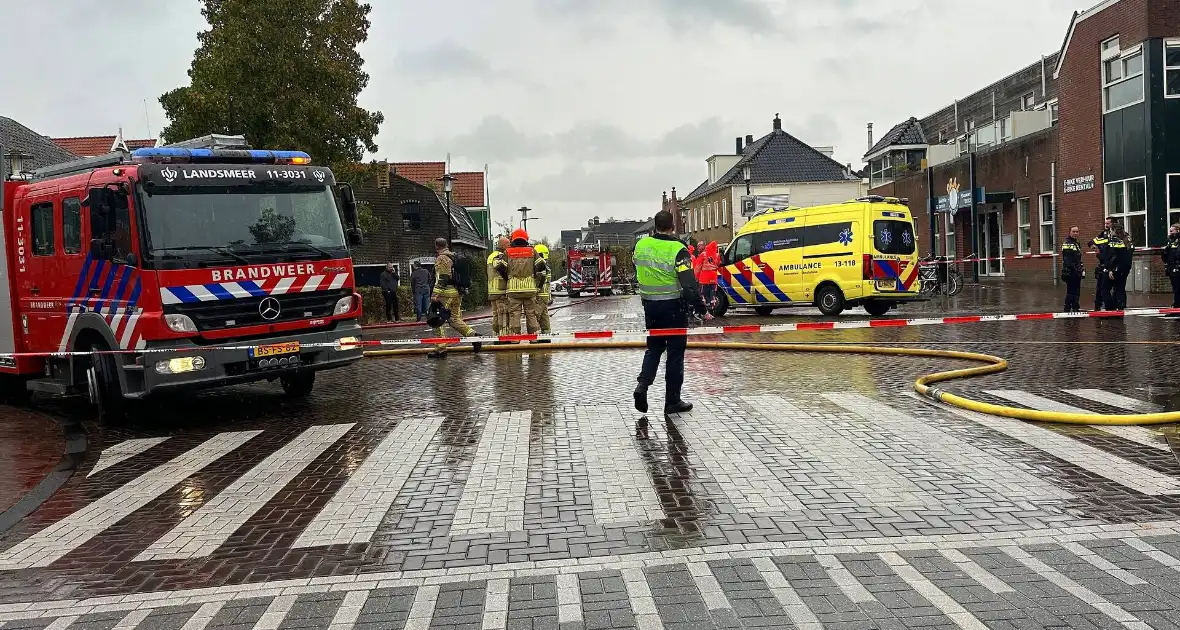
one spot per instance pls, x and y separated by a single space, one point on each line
1091 130
778 164
469 188
412 216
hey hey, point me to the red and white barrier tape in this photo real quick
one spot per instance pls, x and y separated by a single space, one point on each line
699 331
930 263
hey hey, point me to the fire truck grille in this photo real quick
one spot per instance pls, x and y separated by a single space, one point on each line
237 312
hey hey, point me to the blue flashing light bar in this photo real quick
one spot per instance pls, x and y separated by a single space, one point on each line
260 156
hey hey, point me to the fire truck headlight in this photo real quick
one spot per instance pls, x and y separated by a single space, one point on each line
343 305
180 365
347 343
180 323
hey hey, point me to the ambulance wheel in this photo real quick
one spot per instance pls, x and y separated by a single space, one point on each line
830 300
877 309
721 305
102 379
764 310
298 384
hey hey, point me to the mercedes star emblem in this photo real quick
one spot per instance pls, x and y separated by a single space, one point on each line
269 309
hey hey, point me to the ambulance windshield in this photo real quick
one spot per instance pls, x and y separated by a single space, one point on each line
243 222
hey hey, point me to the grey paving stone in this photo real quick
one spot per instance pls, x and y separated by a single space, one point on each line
172 618
752 601
459 606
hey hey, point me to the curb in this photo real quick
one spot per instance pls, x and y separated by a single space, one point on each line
74 454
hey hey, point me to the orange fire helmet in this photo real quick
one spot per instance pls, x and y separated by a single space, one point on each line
520 234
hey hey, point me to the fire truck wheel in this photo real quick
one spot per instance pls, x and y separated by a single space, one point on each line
14 391
298 384
574 294
103 381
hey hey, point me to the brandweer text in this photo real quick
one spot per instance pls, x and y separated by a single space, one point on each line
261 273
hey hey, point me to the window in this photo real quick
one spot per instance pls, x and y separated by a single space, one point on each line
1048 233
881 170
411 218
828 234
1173 198
893 237
1023 227
713 215
741 249
71 225
775 240
1054 112
724 215
963 148
1126 201
1122 76
1172 69
42 220
1028 101
949 221
114 225
1005 129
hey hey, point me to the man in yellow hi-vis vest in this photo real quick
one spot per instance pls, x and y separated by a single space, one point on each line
663 268
498 286
543 289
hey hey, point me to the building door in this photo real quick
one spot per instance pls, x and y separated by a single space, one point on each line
990 227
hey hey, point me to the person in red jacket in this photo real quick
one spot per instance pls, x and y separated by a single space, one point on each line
710 261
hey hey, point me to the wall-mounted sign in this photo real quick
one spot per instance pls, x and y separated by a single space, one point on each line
755 204
962 198
1078 184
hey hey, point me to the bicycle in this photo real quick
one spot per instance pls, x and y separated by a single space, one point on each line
932 279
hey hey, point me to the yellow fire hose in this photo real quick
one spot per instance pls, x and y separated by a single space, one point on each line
923 385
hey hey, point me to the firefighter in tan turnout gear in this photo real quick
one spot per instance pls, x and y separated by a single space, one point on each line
520 268
498 286
446 294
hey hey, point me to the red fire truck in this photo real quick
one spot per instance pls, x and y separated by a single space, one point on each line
199 264
589 270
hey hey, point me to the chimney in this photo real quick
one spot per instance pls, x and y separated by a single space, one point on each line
665 202
778 124
749 140
870 137
828 151
673 193
737 145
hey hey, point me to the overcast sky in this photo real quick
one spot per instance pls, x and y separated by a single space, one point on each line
579 107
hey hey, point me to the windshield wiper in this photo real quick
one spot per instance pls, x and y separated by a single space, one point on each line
216 250
318 249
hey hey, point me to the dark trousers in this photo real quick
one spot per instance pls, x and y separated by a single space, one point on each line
709 291
1101 290
390 305
421 304
1073 293
1175 278
665 314
1118 292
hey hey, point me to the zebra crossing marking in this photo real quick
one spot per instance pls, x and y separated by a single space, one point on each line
800 614
214 522
620 485
1088 458
1115 400
275 613
349 611
422 610
61 623
494 494
708 586
936 596
959 457
1067 584
1103 564
597 317
495 604
846 457
123 451
976 572
131 621
844 580
747 483
1140 435
643 605
357 509
203 617
569 599
54 542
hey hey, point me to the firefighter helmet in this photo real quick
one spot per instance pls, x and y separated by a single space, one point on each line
520 235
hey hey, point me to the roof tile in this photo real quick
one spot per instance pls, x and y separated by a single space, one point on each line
89 146
903 133
17 137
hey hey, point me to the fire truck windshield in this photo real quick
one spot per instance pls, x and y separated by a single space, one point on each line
241 222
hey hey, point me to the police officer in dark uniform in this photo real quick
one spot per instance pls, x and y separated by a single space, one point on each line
1171 256
1120 251
668 288
1072 271
1101 272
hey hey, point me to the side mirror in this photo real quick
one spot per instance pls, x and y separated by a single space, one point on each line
132 260
355 236
101 248
348 196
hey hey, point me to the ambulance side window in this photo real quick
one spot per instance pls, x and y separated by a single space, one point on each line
71 225
741 249
42 219
774 240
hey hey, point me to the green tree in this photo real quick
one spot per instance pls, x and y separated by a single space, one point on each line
284 73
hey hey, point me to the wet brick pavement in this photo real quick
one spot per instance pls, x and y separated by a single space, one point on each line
31 446
520 491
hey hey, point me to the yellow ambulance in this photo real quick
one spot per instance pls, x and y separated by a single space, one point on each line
858 253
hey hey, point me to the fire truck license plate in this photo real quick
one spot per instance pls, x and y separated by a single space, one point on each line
274 349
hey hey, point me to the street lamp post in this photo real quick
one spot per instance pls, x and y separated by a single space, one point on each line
684 221
449 185
524 217
746 176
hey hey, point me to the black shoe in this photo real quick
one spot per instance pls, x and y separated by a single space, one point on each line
641 398
476 346
677 407
437 354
